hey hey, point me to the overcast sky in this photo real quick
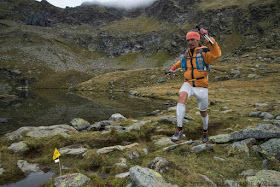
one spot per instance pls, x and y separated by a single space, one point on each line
112 3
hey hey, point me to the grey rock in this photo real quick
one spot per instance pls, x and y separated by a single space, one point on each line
202 147
172 147
271 148
122 175
265 164
163 141
255 114
161 80
266 115
255 148
221 138
69 180
265 178
154 113
26 167
239 147
159 165
144 177
232 183
260 104
249 172
275 122
145 151
99 126
117 117
79 124
174 108
2 170
39 132
253 76
250 141
122 163
219 159
172 120
132 155
169 93
19 147
117 128
207 179
105 150
72 150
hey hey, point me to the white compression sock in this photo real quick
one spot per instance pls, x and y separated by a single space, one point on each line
180 111
205 122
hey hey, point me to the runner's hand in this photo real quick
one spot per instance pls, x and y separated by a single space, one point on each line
203 31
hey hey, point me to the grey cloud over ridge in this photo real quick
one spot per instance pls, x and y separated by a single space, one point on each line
126 4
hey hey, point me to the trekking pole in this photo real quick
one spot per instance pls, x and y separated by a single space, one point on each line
205 36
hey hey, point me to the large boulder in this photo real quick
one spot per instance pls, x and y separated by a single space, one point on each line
271 149
264 178
79 124
144 177
99 126
26 167
75 179
19 147
263 131
39 132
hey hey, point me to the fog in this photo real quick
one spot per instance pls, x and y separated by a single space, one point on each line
126 4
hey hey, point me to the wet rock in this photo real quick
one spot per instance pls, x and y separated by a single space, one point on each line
19 147
271 148
266 115
172 119
117 117
202 147
163 141
132 155
79 124
39 132
265 178
249 172
26 167
73 150
105 150
5 120
238 147
146 177
159 165
75 179
99 126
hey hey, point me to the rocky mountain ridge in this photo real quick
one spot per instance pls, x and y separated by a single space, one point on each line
41 40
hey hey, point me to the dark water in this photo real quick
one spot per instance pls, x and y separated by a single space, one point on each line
52 107
32 180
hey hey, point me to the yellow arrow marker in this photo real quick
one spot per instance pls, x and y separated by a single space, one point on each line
56 154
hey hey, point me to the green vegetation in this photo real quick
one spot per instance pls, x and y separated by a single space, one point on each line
219 4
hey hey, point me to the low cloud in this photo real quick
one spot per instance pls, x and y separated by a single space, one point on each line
126 4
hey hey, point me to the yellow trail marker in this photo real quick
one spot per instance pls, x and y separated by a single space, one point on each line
56 154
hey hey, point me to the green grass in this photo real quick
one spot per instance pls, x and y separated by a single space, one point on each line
140 24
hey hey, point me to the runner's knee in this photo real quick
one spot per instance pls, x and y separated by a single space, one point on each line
183 97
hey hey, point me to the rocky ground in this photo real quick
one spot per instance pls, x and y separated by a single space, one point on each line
244 127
